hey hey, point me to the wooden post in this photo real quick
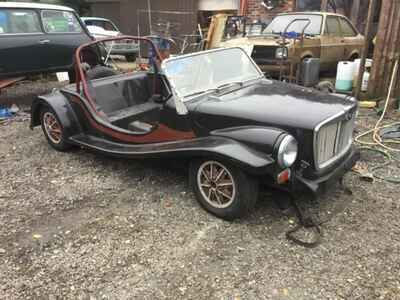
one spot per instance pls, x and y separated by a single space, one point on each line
324 5
355 10
387 49
367 35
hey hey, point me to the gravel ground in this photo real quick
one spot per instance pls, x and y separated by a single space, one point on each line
81 226
25 91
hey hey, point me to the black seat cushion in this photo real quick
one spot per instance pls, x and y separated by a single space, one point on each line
117 94
109 98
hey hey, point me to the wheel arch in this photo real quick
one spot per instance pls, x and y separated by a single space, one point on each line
261 138
253 147
306 54
354 54
57 102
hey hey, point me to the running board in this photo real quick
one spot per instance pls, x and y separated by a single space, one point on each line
206 146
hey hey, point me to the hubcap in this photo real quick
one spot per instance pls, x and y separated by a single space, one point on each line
216 184
52 127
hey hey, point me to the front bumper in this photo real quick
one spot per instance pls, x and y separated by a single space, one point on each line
320 184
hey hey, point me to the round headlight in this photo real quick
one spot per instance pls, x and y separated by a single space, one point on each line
287 152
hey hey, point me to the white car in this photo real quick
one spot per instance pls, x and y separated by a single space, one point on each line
104 28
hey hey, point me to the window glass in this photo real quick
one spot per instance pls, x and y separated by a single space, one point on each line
55 21
19 21
332 26
297 22
208 70
347 29
106 25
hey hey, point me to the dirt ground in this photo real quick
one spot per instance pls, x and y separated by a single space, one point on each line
82 226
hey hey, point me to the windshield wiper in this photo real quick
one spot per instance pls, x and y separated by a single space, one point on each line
202 92
219 88
229 84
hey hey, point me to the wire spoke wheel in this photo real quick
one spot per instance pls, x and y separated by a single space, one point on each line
52 127
216 184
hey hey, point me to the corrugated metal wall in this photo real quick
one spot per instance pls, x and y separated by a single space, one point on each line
128 14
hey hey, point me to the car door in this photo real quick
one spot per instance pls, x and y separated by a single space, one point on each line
64 33
21 42
353 42
332 43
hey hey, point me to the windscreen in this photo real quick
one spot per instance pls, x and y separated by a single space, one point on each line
209 70
279 24
106 25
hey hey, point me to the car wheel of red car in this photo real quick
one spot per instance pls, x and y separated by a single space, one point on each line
222 189
53 129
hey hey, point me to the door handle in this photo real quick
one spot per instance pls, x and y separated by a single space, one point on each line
43 42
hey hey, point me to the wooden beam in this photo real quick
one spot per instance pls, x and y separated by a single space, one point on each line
355 10
368 28
324 5
387 48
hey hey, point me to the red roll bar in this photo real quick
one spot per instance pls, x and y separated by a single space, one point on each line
80 75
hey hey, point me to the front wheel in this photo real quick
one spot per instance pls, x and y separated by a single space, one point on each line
53 130
222 189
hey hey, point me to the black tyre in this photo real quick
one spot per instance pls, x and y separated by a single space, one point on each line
130 57
100 72
222 189
354 57
53 130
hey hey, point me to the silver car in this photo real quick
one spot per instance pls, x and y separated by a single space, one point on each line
103 28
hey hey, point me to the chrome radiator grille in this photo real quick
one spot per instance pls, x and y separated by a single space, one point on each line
332 141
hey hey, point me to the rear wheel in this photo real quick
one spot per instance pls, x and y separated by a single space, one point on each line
222 189
53 130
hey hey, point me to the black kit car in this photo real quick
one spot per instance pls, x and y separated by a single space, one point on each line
38 38
217 110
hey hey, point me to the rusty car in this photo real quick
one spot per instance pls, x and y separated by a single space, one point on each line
234 128
294 37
